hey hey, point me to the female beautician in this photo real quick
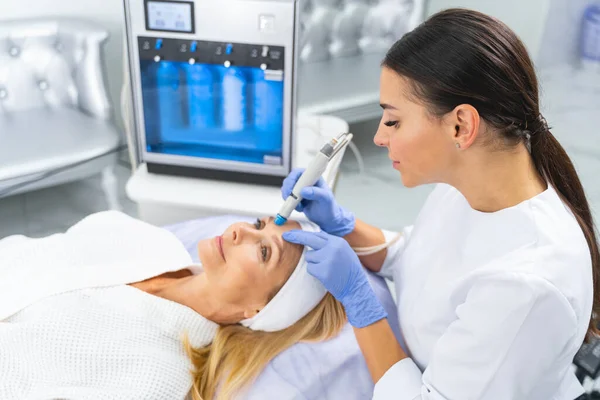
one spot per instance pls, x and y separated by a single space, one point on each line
495 281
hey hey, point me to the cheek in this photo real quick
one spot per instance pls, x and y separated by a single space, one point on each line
406 143
255 281
243 270
417 147
230 285
207 255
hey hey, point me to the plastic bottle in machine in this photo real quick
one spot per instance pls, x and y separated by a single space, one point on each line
233 99
170 98
267 102
200 81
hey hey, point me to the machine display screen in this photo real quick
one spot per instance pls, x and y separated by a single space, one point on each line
171 16
214 104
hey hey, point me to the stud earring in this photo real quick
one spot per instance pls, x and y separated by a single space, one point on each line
457 145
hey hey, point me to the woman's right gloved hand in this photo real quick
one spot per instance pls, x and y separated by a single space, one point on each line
319 205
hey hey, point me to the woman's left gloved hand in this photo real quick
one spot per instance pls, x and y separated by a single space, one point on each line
333 262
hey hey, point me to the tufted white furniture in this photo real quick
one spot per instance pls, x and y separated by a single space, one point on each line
347 28
54 109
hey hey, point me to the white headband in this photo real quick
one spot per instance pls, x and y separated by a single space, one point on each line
299 295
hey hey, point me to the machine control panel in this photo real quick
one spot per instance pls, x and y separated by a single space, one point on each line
205 52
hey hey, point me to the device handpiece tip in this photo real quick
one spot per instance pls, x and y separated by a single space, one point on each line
279 220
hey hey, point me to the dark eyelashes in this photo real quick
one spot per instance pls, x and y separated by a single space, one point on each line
263 249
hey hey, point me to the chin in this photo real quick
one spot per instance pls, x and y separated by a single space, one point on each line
410 181
204 249
407 181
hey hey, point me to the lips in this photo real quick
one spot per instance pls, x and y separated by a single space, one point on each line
219 241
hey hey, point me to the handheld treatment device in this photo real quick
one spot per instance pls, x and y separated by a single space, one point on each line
312 174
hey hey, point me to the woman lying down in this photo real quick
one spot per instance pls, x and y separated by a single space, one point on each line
114 308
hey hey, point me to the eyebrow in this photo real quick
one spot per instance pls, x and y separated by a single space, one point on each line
387 106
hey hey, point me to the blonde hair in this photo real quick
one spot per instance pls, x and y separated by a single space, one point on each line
238 354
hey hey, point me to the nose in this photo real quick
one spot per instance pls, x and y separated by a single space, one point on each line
381 139
239 233
236 234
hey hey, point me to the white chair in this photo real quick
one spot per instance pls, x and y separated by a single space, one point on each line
54 108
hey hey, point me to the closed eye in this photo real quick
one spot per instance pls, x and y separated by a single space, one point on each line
391 123
264 251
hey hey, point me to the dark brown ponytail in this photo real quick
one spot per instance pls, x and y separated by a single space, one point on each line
553 163
461 56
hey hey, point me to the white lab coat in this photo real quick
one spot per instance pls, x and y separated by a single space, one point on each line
492 306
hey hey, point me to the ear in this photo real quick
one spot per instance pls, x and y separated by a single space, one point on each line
466 129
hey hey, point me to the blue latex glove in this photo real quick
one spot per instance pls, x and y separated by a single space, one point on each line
319 205
333 262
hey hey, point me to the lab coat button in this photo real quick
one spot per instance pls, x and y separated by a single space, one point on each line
14 51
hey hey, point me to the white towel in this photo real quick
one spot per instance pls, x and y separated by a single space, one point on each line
72 329
300 294
104 249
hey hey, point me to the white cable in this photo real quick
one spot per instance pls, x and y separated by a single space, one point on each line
366 251
317 131
359 159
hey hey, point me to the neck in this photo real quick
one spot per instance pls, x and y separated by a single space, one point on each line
195 293
492 181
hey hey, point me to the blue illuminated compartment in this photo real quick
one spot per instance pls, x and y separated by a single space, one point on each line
210 111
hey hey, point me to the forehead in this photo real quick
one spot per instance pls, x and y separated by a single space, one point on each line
397 95
291 252
393 87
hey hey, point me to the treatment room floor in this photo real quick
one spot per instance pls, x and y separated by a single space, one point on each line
571 105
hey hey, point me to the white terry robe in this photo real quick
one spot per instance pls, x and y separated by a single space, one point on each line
71 328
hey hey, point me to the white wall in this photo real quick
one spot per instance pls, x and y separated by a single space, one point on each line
563 33
549 28
108 13
526 17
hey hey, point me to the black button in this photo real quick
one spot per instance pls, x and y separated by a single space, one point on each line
275 54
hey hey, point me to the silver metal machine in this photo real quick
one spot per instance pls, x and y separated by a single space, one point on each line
213 86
